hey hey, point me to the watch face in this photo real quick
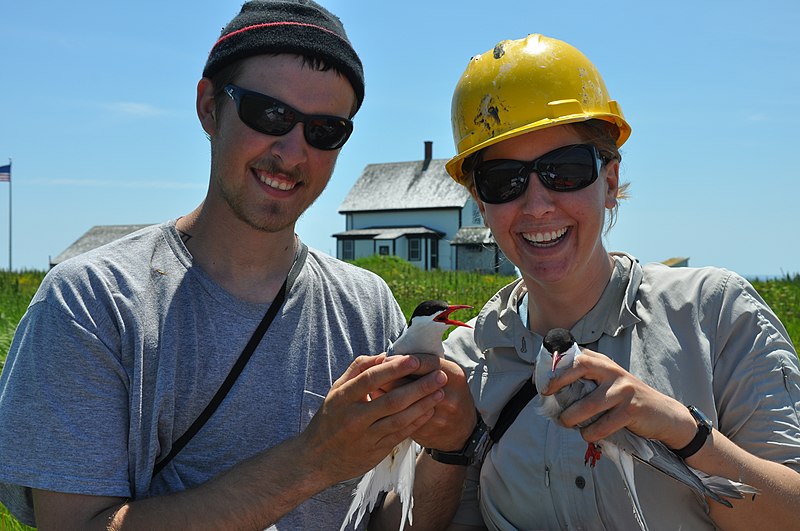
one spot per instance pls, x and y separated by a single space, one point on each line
701 418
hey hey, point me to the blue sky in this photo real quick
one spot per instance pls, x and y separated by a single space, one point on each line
97 112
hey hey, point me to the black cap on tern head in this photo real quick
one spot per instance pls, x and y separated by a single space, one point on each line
558 340
431 307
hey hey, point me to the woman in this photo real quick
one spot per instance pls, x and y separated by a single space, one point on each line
537 139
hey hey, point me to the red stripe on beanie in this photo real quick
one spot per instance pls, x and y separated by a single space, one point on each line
268 24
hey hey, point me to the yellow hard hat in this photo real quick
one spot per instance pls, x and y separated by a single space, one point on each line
524 85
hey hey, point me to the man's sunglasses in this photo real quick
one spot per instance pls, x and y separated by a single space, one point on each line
564 169
273 117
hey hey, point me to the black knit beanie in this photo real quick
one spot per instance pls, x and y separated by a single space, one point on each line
287 26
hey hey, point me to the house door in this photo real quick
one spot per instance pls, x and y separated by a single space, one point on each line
434 254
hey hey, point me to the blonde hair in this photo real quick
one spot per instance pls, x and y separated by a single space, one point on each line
603 135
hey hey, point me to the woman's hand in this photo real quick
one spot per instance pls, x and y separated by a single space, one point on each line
622 401
454 416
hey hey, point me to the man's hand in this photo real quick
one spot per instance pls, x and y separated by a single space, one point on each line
437 486
366 414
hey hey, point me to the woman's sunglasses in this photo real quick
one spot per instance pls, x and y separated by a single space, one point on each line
273 117
564 169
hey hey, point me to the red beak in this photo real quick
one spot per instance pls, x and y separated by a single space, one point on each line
556 358
443 317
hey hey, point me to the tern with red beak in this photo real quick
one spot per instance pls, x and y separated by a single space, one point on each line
558 353
396 472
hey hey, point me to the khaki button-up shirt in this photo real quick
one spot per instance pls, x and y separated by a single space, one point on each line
703 336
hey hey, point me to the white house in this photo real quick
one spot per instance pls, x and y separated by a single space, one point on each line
414 210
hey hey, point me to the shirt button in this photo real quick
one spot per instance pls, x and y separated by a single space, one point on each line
580 482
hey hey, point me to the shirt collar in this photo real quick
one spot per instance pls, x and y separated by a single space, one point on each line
613 312
499 323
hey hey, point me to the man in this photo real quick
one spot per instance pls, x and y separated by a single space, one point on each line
123 347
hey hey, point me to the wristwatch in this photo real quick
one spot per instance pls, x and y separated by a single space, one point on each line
704 426
473 450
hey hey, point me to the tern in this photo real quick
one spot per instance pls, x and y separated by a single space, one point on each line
396 472
558 353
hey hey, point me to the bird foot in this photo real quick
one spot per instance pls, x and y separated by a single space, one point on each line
592 454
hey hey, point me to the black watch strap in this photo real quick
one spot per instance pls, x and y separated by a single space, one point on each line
473 449
704 426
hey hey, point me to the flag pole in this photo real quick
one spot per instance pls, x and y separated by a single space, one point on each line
9 215
5 176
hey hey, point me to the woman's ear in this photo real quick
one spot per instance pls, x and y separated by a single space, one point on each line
206 106
611 171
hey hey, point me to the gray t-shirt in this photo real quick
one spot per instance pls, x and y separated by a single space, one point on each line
124 346
702 336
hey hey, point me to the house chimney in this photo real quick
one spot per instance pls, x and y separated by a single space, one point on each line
428 154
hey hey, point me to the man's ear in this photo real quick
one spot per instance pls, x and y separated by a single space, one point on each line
611 170
206 106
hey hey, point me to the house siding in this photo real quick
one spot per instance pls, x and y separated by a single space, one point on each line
442 220
365 248
397 202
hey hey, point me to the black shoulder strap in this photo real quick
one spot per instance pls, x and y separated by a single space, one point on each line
512 409
237 368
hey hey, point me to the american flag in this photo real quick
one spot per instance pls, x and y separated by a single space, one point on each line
5 173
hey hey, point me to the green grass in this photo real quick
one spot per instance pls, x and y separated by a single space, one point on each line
16 290
9 523
783 296
409 285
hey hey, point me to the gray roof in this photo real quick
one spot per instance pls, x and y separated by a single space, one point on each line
473 236
95 237
404 186
387 233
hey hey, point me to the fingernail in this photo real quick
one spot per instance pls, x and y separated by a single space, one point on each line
438 395
441 378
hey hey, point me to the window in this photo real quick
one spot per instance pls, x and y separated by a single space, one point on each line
383 250
348 250
414 249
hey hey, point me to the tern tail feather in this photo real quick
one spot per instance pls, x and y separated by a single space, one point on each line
395 472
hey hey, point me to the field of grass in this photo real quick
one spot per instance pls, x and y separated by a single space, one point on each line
16 291
783 296
9 523
409 285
